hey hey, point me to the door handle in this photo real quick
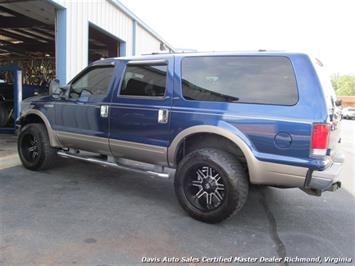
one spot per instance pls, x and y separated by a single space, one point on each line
104 111
163 116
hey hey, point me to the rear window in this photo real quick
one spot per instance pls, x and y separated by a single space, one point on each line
245 79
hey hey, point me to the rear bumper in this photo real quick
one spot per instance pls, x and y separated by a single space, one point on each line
328 179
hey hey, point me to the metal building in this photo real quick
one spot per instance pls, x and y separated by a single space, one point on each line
48 39
76 28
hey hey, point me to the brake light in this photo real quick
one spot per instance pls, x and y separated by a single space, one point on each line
320 136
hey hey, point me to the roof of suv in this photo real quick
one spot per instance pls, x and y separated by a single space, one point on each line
169 55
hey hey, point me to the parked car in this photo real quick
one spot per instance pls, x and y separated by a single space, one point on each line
222 120
348 113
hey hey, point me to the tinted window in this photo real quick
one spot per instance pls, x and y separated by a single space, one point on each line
96 81
267 80
144 80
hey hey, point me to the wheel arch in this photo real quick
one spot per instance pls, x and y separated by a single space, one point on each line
231 134
36 116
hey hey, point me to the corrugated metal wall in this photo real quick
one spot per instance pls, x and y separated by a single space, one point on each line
146 42
105 15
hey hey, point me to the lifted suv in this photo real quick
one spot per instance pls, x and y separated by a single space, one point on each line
222 120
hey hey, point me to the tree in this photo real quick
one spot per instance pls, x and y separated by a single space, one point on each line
344 85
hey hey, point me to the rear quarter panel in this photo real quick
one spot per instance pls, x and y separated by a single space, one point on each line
258 124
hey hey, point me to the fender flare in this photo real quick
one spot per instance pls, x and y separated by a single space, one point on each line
53 140
240 140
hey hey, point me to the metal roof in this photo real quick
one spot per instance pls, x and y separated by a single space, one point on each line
129 13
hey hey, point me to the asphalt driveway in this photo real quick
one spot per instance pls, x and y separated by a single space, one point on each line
83 214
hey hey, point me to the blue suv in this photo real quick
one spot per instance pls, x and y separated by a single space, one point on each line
223 121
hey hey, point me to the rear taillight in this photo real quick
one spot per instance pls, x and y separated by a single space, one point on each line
320 135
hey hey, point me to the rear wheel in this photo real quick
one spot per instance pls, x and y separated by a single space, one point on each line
211 185
34 148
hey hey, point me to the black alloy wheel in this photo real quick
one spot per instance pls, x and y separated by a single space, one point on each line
204 188
34 147
30 147
211 185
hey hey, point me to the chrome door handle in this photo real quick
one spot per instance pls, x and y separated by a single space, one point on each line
163 116
104 111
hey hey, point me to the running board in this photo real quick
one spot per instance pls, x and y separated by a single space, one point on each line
112 164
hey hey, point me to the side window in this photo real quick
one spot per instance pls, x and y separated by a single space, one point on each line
144 80
94 82
246 79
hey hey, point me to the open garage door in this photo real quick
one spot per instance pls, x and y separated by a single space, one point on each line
102 44
27 38
27 43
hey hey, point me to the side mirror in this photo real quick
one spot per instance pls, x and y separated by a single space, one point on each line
65 91
54 88
338 102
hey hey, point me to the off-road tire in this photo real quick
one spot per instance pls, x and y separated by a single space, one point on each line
233 175
46 154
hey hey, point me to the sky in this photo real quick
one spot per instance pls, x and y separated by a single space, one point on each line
323 28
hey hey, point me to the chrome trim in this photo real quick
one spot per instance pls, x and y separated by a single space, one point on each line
53 139
104 111
163 116
84 142
138 151
259 172
112 164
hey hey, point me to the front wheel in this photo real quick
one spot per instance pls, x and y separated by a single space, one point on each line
34 148
211 185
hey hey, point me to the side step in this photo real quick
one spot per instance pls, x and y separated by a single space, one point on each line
113 164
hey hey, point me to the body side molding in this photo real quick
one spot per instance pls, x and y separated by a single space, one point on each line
139 151
117 148
84 142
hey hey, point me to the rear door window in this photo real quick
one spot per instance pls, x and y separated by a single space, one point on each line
244 79
144 80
